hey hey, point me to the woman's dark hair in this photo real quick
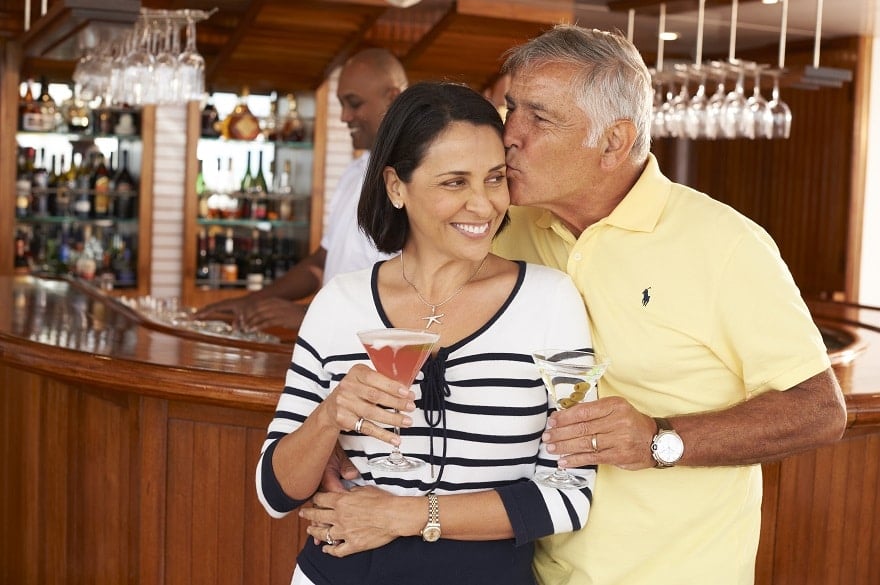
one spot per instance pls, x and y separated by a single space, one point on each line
412 123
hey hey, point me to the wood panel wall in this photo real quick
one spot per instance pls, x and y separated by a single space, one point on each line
800 190
149 491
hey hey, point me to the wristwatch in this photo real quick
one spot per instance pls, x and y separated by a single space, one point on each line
431 531
667 446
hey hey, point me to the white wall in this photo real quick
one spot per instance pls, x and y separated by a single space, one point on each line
869 288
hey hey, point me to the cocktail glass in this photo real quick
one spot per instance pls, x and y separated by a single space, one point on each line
570 377
399 354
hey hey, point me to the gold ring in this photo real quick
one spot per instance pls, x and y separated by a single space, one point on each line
329 540
358 425
594 442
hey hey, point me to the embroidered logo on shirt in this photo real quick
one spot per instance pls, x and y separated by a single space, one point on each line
646 298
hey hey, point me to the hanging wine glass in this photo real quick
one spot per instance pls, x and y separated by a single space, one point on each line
679 104
191 66
779 111
757 119
695 116
734 104
715 105
138 72
167 79
658 121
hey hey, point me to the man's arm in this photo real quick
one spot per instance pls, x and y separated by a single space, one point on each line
768 427
301 281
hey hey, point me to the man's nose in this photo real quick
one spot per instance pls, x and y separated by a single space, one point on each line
511 132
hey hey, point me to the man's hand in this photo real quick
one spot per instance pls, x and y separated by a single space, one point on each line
622 434
227 310
271 312
358 520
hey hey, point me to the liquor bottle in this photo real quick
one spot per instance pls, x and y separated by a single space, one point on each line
21 263
241 124
23 177
40 186
54 178
230 263
246 189
284 193
65 188
82 202
99 183
260 205
48 109
256 266
124 264
203 269
75 113
291 125
214 263
210 120
125 188
202 191
30 116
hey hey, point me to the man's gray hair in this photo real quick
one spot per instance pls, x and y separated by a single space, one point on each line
614 83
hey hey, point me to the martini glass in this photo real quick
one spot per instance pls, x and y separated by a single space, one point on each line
399 354
570 377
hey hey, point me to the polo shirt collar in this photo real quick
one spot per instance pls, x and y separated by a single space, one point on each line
642 207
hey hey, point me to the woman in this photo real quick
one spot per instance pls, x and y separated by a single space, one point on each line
436 192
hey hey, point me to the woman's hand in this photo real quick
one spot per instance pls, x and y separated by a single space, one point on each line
364 518
366 394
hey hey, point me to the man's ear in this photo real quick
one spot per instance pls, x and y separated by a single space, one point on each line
616 143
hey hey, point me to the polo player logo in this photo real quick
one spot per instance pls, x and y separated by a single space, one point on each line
646 298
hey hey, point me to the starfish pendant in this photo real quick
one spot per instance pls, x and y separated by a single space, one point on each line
433 317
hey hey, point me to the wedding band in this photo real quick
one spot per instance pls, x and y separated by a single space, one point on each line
329 540
594 442
358 425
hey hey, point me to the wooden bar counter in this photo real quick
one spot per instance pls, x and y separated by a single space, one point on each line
129 448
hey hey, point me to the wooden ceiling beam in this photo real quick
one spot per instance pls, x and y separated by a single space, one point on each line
244 25
652 7
547 11
429 37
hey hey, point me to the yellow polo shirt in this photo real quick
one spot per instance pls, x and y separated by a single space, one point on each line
697 311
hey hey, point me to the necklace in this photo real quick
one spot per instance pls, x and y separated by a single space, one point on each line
434 317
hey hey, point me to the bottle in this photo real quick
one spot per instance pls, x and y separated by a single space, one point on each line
23 177
210 120
75 113
291 125
54 179
260 205
99 183
48 109
30 115
40 186
241 124
203 268
21 263
125 188
256 265
202 192
66 187
230 263
124 264
214 263
246 189
82 202
284 193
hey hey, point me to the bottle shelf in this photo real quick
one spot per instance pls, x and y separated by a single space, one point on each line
260 224
72 219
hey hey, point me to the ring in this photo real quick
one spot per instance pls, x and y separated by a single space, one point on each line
329 540
594 442
358 425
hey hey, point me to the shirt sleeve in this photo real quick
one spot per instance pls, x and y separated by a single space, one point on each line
534 510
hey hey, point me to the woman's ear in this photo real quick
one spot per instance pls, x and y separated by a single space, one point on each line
393 186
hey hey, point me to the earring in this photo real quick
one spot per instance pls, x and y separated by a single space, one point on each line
397 204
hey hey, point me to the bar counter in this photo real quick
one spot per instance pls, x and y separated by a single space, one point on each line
129 447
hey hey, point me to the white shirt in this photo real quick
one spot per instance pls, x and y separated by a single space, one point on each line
348 248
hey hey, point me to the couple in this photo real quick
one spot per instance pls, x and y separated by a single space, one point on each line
715 368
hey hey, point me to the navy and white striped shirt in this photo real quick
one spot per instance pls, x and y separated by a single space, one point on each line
495 408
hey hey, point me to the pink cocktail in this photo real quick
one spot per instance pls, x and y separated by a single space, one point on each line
399 354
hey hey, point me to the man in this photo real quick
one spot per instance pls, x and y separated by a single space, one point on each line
692 304
368 83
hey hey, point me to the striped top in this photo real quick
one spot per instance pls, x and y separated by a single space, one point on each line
487 407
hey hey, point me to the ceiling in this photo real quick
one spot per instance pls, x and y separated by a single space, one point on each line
287 45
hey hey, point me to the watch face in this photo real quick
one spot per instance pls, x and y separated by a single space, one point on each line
668 447
431 533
